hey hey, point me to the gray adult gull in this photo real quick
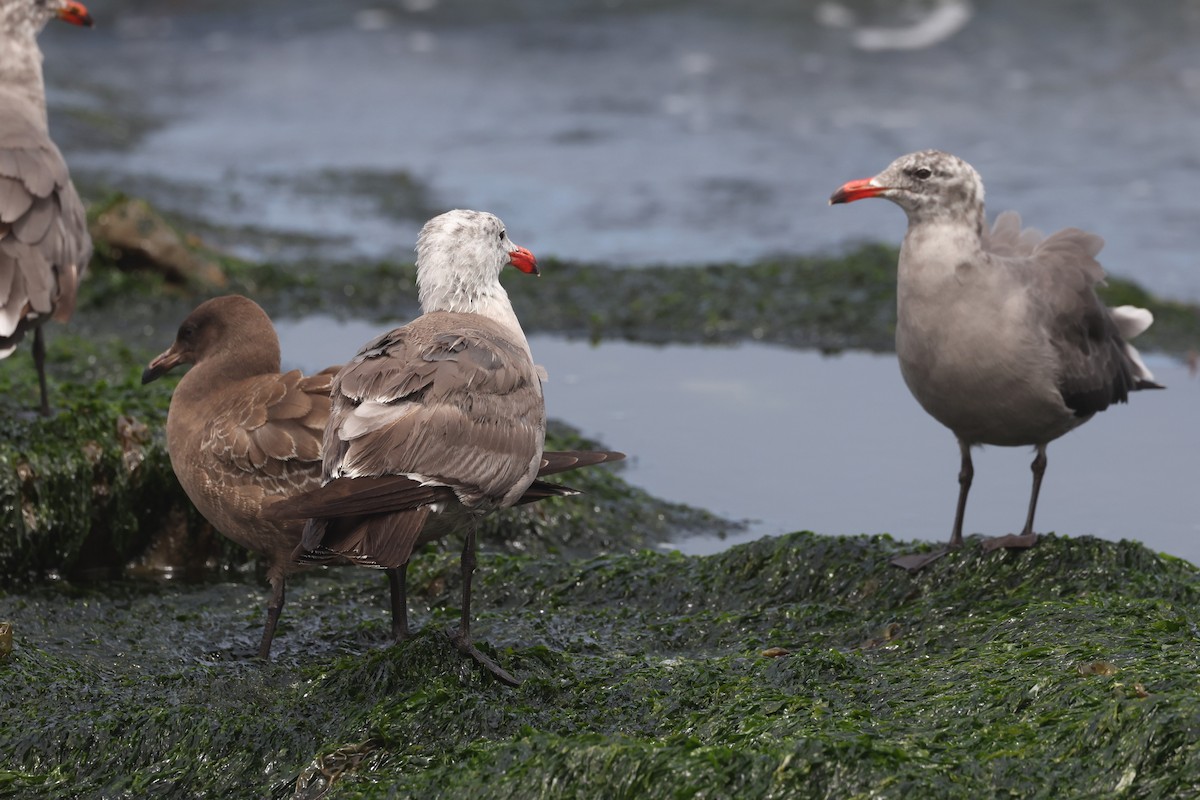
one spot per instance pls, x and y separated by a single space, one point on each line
438 422
1000 334
44 241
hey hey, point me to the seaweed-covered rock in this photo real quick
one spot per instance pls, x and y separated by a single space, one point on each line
84 489
797 666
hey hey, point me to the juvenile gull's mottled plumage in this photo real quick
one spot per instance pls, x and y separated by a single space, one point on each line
438 422
242 435
44 242
1000 334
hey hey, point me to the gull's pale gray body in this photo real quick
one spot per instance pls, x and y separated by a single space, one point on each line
1000 334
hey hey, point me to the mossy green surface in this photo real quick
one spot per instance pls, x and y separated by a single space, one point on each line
86 488
1070 670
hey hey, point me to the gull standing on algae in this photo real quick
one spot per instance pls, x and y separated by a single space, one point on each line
439 422
44 240
1000 334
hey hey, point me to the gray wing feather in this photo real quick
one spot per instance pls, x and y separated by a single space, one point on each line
44 241
15 199
1094 367
449 397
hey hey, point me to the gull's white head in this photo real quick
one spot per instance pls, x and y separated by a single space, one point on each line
25 18
460 255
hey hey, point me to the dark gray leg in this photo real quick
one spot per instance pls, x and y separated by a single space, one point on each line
462 639
1027 538
966 474
398 582
39 361
274 607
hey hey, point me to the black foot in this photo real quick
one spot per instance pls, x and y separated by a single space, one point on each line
917 561
1013 541
467 648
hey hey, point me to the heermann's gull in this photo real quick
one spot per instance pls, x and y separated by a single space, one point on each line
44 242
241 435
1000 334
438 422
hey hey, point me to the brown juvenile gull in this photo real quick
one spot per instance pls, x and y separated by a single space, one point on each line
439 422
44 241
1000 334
242 435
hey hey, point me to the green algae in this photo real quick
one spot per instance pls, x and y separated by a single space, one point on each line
827 302
91 489
82 489
644 676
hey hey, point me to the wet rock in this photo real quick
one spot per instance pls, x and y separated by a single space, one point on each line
136 237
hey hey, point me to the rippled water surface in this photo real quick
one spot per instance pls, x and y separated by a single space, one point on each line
648 132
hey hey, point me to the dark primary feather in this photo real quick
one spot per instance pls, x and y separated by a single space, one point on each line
357 518
561 460
1095 369
379 540
387 493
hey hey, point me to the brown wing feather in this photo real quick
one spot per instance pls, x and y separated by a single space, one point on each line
273 430
554 461
380 540
359 496
381 494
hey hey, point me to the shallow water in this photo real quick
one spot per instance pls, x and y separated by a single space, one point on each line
795 440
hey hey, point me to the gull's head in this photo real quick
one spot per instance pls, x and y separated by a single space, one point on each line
925 184
461 254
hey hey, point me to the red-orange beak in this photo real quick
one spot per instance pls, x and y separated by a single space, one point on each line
524 260
75 13
856 190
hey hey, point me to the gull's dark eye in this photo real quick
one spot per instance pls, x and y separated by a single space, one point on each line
502 236
922 173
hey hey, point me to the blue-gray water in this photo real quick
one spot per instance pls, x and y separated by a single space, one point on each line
691 132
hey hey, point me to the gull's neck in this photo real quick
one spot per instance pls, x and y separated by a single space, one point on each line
488 300
21 66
